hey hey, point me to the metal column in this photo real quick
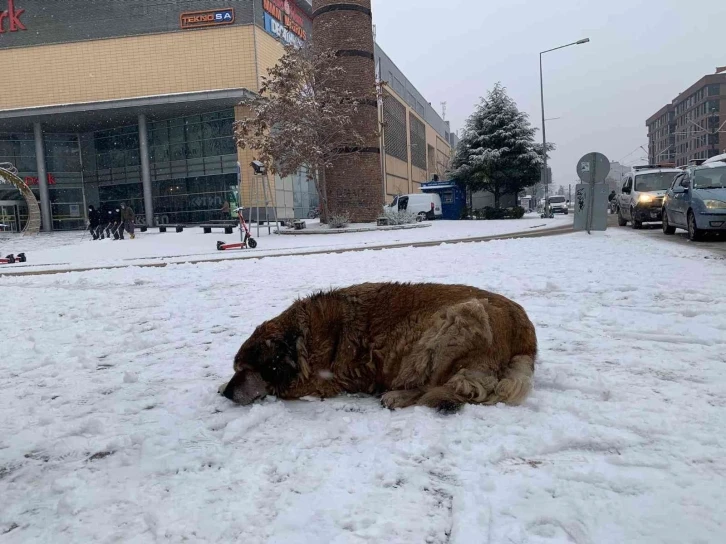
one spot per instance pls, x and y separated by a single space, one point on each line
42 178
146 170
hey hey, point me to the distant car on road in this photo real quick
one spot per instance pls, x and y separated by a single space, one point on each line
641 198
696 200
558 204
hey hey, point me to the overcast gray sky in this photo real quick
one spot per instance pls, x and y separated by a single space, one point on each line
641 55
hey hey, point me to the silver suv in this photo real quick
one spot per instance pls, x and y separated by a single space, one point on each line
641 200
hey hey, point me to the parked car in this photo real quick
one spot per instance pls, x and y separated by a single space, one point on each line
427 205
641 199
696 200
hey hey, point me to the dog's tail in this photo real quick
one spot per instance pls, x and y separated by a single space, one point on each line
516 383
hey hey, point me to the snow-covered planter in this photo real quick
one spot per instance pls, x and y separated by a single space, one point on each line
399 217
489 213
339 221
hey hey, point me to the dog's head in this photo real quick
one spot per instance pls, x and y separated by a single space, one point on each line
267 363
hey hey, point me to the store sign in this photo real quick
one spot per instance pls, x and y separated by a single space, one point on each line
212 17
284 20
278 30
32 180
10 19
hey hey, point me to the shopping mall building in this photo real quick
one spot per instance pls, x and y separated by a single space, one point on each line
104 101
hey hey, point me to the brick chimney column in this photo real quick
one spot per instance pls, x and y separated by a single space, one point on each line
354 183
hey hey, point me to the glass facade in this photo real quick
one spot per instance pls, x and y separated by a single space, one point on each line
18 148
296 195
63 164
193 164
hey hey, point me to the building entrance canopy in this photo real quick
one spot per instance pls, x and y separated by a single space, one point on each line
94 116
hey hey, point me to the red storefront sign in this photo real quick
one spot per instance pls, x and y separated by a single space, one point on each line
12 16
32 180
288 14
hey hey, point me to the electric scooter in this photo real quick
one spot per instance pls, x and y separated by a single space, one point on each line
12 259
247 240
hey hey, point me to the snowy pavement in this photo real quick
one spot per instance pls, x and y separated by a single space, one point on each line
69 250
111 428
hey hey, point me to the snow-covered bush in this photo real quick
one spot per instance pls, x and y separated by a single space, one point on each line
339 221
489 213
399 217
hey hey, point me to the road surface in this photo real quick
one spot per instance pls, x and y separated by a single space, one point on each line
714 244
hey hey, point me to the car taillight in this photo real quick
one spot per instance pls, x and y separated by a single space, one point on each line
432 205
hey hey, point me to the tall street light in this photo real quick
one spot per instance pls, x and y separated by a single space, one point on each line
544 130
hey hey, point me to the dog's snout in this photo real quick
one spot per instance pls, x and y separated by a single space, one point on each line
244 388
222 388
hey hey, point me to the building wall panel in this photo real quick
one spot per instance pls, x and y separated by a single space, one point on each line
219 58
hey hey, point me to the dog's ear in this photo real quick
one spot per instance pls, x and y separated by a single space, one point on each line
290 343
295 342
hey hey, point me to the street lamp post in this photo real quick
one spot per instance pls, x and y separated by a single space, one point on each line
544 130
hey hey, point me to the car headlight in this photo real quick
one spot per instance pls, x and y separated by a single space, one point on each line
644 199
714 204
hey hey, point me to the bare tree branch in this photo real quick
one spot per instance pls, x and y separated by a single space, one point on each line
302 118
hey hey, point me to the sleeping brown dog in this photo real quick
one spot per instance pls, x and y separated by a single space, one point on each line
416 344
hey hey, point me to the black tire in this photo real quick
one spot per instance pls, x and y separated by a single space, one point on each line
667 228
621 220
567 212
252 243
219 246
694 233
634 224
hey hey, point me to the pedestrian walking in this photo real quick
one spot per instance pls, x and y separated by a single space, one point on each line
118 224
225 210
94 219
104 218
128 217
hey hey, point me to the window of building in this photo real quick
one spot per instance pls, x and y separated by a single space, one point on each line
431 159
62 155
418 142
394 117
19 150
714 90
410 99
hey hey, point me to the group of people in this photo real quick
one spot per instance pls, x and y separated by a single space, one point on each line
111 222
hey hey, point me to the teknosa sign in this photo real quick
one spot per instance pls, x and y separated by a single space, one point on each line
212 17
10 19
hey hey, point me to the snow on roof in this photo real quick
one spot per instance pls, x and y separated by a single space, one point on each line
717 158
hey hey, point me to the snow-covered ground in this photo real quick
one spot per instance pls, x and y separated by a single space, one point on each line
68 250
111 428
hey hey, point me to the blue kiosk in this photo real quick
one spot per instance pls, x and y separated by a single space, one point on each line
453 198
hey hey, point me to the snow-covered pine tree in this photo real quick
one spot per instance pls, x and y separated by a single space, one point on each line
497 152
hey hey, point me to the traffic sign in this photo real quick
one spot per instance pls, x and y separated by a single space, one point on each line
593 168
591 195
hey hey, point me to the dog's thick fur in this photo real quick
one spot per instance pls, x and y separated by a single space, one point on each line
417 344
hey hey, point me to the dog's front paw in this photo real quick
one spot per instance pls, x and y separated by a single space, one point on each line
400 399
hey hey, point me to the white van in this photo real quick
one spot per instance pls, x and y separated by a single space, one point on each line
558 204
425 204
